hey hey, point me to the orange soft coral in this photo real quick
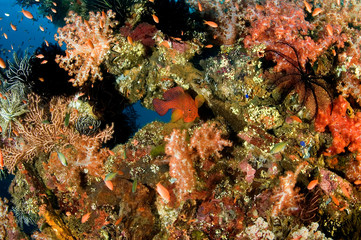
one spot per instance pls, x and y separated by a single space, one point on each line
345 128
87 43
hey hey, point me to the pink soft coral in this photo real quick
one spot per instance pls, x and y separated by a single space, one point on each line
87 43
285 22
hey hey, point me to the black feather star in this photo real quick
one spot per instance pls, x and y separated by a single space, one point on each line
312 89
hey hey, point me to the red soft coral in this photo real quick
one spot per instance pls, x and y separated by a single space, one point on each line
345 129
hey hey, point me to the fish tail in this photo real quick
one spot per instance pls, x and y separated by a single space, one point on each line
161 107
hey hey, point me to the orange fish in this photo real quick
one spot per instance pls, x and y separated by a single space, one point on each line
211 24
316 12
182 103
85 217
163 192
200 7
46 42
27 14
53 10
5 35
1 160
329 29
312 184
155 18
13 27
40 56
2 63
41 28
50 18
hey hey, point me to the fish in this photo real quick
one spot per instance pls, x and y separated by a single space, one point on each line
62 159
2 63
50 18
329 29
130 40
316 12
211 24
46 43
175 98
27 14
7 14
312 184
41 28
110 176
44 62
5 35
163 192
278 147
40 56
13 27
2 164
109 184
155 18
53 10
200 7
85 217
307 6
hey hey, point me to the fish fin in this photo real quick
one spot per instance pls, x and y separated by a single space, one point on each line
173 93
176 115
199 101
161 107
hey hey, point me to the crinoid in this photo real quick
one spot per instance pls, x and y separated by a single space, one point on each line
299 80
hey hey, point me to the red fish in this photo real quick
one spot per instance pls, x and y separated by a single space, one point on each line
175 98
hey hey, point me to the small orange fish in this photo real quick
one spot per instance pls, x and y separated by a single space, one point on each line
357 182
111 152
312 184
155 18
208 46
54 3
40 56
163 192
329 29
2 63
130 40
1 160
5 35
53 10
46 42
308 6
211 24
27 14
41 79
50 18
13 27
295 118
85 218
44 62
109 185
41 28
200 7
316 12
176 98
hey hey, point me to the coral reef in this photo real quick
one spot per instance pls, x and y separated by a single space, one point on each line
272 153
